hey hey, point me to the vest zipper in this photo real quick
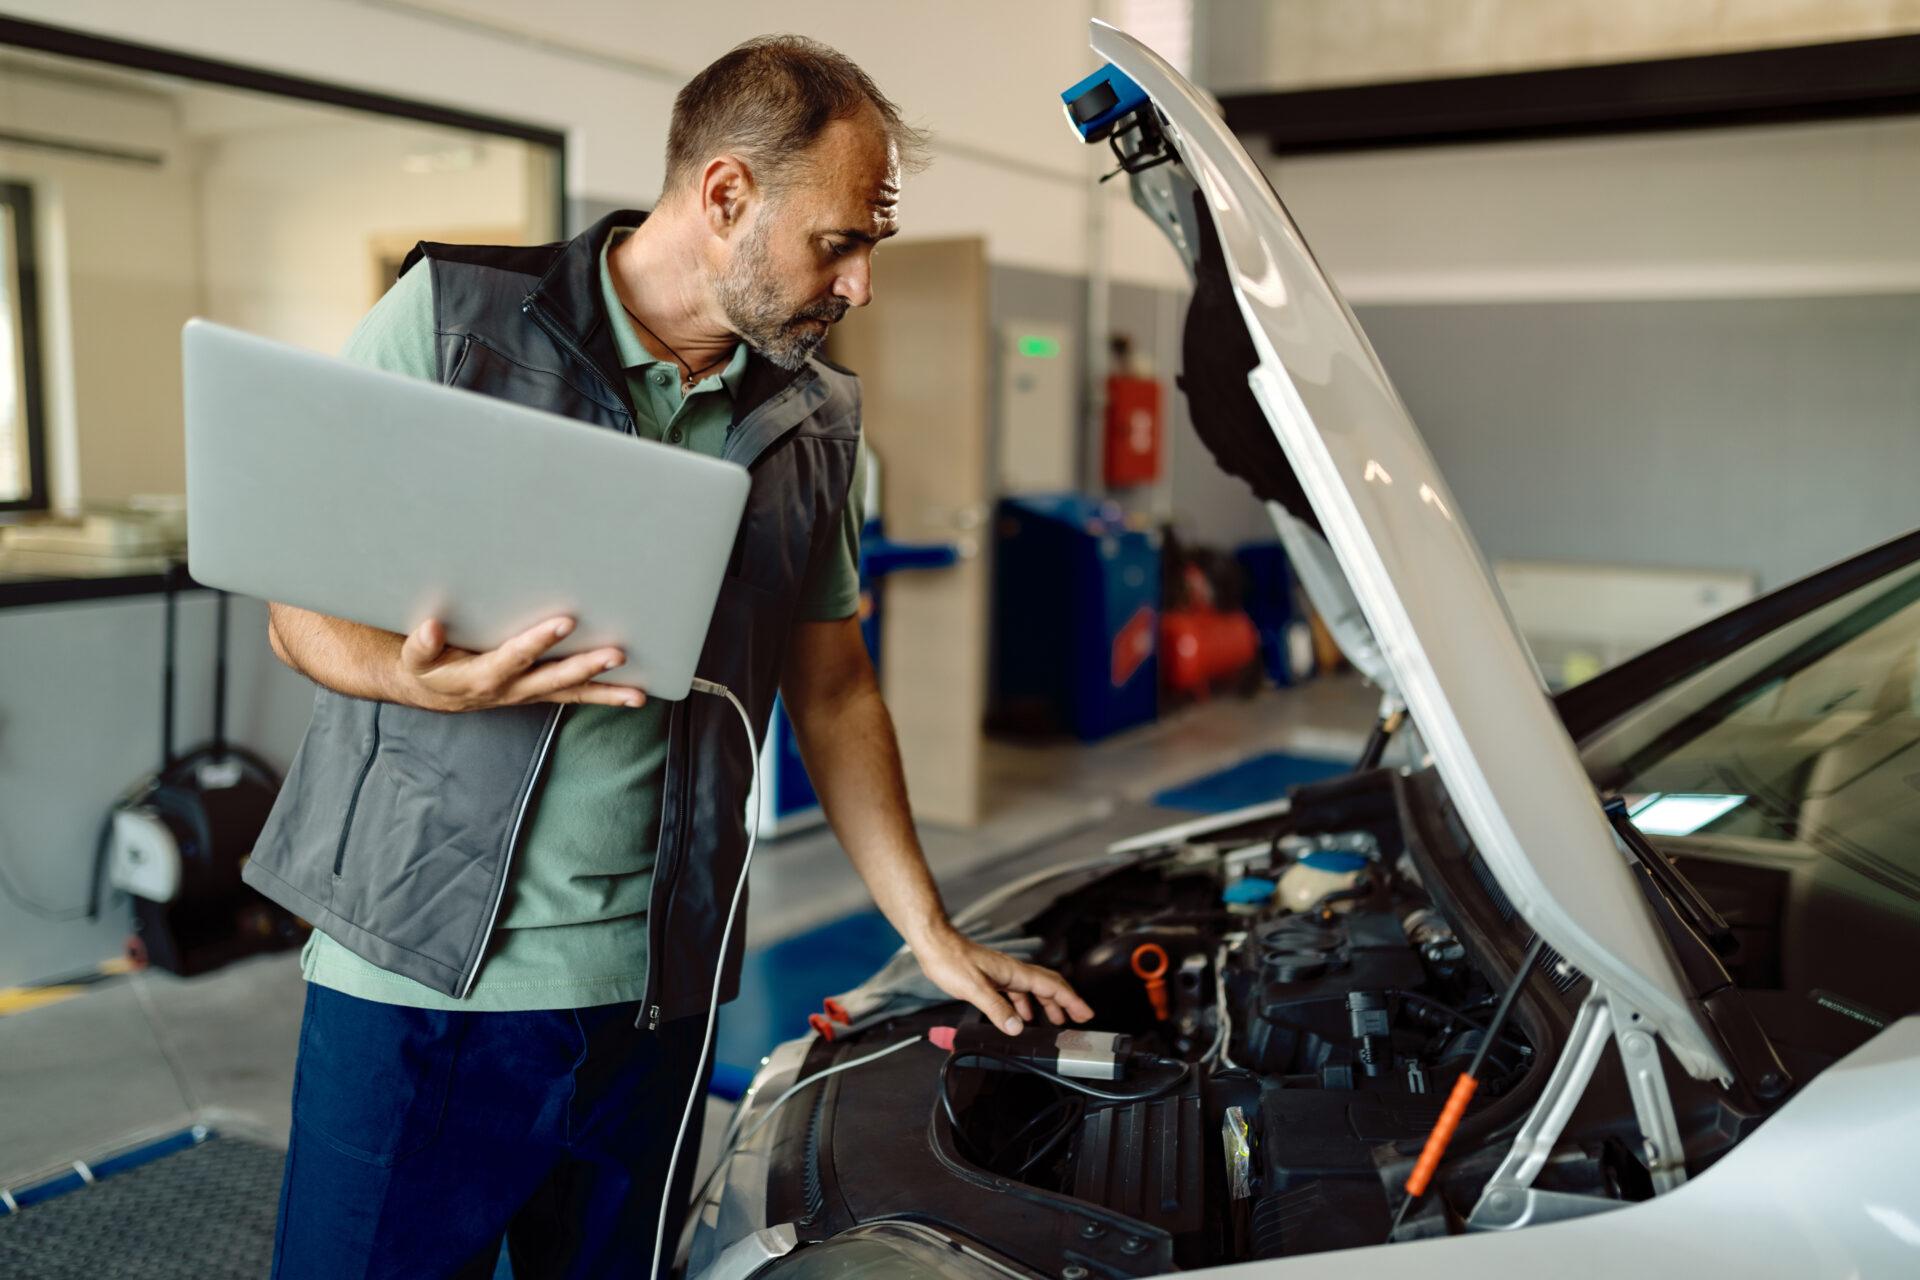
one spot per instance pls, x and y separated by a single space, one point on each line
554 331
657 908
353 802
666 866
513 840
663 871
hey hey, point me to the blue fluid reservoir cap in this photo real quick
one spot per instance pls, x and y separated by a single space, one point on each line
1248 890
1337 860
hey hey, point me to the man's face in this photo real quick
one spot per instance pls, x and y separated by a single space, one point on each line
806 254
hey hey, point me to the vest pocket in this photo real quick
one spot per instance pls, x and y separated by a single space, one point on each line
353 800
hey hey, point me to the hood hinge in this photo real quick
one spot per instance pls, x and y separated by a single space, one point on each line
1510 1200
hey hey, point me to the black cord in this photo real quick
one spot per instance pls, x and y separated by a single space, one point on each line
1060 1103
27 903
1458 1015
1081 1086
1067 1124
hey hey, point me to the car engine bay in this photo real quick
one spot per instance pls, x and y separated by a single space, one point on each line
1282 1007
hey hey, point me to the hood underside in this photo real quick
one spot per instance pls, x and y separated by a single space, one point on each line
1288 394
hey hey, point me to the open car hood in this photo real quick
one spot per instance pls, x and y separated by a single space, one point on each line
1288 394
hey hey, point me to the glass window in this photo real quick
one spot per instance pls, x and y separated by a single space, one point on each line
157 198
1808 739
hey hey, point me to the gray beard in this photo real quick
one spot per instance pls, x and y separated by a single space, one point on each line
749 297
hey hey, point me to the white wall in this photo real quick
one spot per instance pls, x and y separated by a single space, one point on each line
1689 349
291 215
1784 210
984 77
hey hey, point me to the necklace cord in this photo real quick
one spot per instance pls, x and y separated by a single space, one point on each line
689 375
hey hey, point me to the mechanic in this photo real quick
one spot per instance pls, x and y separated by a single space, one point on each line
494 1050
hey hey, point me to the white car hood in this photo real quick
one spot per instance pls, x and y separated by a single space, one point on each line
1441 625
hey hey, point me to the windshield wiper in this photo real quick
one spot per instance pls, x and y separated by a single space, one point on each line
1687 900
1700 936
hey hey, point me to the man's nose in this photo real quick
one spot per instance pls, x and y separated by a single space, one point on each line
855 285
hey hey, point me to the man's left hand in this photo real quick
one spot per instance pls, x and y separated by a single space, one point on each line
1001 987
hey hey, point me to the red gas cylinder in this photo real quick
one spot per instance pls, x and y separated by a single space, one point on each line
1200 646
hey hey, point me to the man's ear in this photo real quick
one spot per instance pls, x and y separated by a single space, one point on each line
727 190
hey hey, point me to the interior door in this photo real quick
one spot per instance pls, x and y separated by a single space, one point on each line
921 352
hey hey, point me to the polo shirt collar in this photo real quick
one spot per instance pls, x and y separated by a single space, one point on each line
634 357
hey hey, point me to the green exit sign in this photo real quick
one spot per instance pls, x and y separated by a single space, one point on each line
1040 348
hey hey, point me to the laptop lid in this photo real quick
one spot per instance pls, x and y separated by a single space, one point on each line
388 500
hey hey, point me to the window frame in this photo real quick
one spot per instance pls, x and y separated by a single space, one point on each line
17 198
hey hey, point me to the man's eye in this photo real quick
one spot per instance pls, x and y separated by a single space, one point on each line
840 249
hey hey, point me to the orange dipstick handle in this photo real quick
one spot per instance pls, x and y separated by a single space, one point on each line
1150 966
1442 1134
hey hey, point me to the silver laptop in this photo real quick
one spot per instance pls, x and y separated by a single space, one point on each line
389 500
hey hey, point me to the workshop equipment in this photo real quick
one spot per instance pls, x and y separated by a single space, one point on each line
177 840
1065 1051
1076 618
1286 640
1206 643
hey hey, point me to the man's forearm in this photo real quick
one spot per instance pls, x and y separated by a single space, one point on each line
347 657
854 761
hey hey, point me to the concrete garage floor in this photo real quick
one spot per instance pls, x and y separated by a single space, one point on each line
148 1054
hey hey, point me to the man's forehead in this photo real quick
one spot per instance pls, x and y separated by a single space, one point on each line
863 204
859 180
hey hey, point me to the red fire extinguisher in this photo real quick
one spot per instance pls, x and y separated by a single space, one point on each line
1133 423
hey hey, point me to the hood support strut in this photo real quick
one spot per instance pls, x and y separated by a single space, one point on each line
1510 1199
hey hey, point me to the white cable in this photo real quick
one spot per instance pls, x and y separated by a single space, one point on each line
729 1144
719 968
1223 1021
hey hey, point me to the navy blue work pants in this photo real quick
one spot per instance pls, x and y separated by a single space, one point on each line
421 1139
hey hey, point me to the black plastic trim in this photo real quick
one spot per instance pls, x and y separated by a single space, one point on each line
1585 709
1844 79
18 196
27 591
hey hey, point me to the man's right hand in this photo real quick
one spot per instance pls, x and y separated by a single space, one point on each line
445 679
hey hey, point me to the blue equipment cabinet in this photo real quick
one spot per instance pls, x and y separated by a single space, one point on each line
1076 618
1269 602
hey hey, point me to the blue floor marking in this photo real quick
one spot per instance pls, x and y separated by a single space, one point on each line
1264 777
783 983
105 1167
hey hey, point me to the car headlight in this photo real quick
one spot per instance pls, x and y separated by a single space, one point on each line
893 1251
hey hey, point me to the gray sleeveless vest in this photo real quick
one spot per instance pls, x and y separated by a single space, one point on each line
396 829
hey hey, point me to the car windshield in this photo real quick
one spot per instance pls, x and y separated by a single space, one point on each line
1805 741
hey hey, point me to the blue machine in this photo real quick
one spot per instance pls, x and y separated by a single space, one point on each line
1269 602
787 801
1076 618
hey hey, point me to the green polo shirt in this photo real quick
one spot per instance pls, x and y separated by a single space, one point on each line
573 927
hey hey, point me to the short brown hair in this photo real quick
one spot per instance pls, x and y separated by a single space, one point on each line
768 100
